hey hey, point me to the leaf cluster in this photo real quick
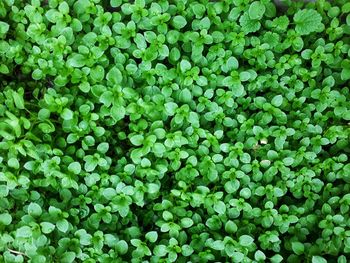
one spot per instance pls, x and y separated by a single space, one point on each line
174 131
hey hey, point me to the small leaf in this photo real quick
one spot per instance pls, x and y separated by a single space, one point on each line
186 222
318 259
152 236
5 219
4 70
153 188
237 256
68 257
298 248
62 225
277 100
114 76
74 167
103 147
118 112
121 247
24 232
19 102
76 61
186 250
220 207
179 22
256 10
13 162
34 209
170 108
185 65
218 245
47 227
232 63
4 28
67 114
246 240
185 96
137 139
307 21
249 25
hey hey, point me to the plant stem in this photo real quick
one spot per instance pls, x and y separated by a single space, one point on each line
16 252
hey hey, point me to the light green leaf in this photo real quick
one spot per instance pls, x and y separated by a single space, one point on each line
4 69
298 247
232 63
114 76
152 236
118 112
76 61
246 240
185 65
318 259
67 114
277 100
179 22
249 25
170 108
13 162
62 225
68 257
47 227
19 101
4 28
137 139
24 232
121 247
74 167
307 21
186 222
116 3
5 219
220 207
256 10
34 209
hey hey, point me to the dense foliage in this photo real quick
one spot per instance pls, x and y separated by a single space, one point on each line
174 131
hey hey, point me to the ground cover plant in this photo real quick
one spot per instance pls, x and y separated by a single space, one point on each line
174 131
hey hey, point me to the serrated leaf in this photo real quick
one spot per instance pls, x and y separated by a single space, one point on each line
307 21
249 25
